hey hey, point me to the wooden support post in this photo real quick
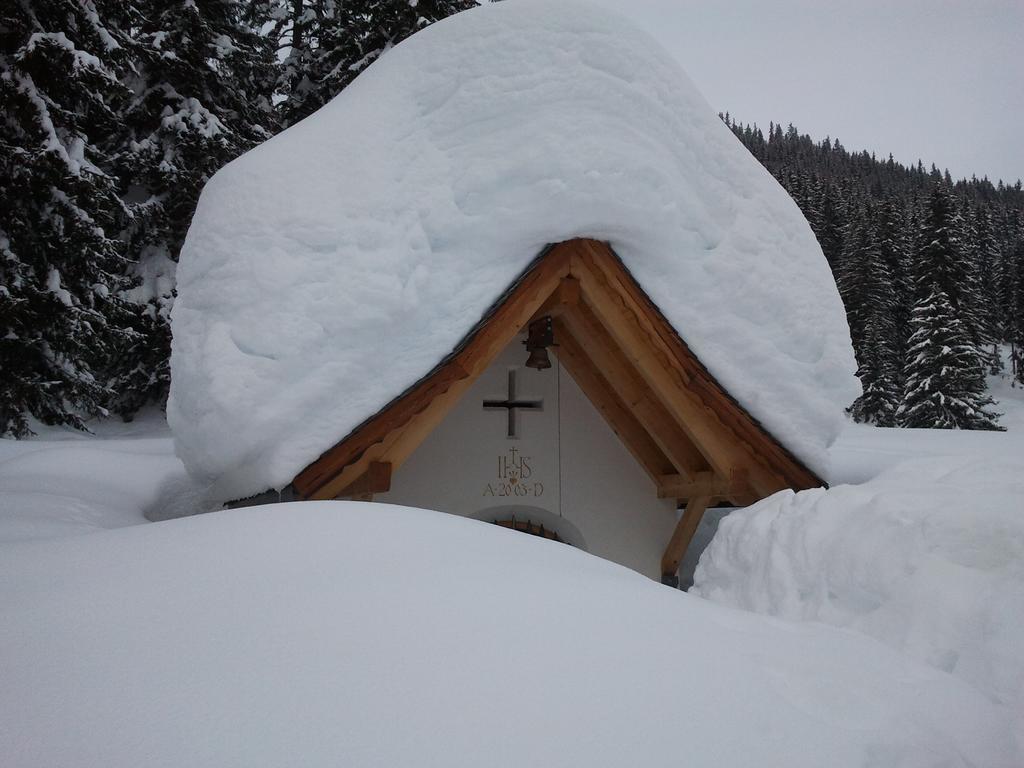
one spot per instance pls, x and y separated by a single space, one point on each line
681 538
376 479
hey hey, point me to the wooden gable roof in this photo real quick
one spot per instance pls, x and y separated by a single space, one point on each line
692 438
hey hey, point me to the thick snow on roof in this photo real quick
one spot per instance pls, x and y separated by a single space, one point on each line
356 634
332 267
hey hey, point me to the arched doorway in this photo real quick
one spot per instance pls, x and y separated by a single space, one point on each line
534 521
530 527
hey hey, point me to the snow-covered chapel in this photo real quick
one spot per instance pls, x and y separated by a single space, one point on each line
518 271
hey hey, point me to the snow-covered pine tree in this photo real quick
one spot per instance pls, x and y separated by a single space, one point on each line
987 260
866 287
879 377
296 26
202 85
943 259
942 388
61 262
832 220
340 38
894 247
1014 277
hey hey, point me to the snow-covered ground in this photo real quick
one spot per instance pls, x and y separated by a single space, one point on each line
66 482
928 557
924 550
342 633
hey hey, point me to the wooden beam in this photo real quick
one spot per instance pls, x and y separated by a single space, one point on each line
710 423
568 291
566 296
337 469
681 538
763 446
734 488
615 412
666 384
395 431
624 379
376 479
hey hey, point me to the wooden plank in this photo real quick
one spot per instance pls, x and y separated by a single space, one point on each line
615 412
735 488
568 291
681 538
394 433
634 332
561 301
330 474
760 445
376 479
666 387
624 379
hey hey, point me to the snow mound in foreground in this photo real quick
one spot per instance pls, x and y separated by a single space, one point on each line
355 634
927 557
332 267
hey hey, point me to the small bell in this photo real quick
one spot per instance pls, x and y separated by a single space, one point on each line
539 337
538 359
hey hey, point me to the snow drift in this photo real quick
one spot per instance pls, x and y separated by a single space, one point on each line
66 483
927 557
354 634
332 267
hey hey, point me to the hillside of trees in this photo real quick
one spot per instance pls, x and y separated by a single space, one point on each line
931 272
117 112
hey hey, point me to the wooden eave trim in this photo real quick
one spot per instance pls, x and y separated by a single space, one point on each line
381 434
397 428
695 379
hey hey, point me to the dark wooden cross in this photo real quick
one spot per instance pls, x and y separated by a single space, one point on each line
511 404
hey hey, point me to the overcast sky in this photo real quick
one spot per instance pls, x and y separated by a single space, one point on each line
939 80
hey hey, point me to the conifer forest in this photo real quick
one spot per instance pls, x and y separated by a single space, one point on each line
116 113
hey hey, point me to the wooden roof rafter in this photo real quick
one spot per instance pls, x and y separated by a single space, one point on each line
689 435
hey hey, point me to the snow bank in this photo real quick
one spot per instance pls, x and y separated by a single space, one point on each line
928 557
66 483
863 451
332 267
334 633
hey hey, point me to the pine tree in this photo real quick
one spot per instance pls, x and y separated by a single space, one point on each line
203 85
1015 309
832 221
986 260
61 262
891 230
296 25
943 259
866 287
942 389
879 377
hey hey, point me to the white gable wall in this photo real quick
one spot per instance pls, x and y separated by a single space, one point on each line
565 468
